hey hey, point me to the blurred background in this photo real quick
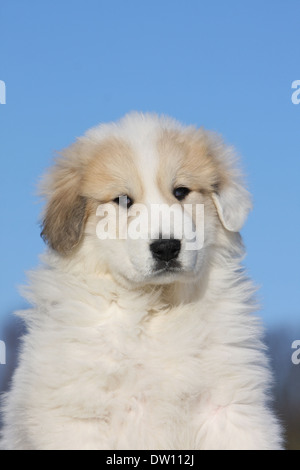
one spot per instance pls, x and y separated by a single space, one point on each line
229 66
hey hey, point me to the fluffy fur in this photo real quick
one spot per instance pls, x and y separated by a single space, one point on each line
117 355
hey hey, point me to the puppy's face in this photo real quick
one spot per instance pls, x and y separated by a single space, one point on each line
145 200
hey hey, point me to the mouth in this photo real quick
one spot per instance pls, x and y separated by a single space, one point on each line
167 267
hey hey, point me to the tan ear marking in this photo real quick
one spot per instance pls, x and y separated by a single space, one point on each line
64 223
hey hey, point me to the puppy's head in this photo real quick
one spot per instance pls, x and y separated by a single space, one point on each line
146 199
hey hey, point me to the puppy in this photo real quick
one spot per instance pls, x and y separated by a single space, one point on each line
142 333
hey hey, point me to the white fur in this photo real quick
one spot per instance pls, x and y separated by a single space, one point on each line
113 360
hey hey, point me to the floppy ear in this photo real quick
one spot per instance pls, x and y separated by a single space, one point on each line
66 214
233 204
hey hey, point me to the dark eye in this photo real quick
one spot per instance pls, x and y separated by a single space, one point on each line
181 193
124 201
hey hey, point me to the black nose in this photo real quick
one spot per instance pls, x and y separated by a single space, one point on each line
165 250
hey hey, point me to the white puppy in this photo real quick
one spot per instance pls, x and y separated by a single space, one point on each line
142 333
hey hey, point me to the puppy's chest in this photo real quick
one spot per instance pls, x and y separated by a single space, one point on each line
156 355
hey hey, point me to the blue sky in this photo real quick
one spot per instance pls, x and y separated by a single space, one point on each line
228 66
